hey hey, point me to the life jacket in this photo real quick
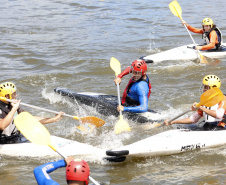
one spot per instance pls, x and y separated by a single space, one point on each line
212 123
209 118
206 37
223 121
11 128
131 82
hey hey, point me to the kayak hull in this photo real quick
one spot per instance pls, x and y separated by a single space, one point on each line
172 142
183 53
107 105
65 146
166 143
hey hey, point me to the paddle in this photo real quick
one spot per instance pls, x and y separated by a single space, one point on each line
177 11
89 119
208 99
121 125
35 132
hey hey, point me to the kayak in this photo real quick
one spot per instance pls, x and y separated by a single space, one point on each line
107 105
65 146
171 142
183 53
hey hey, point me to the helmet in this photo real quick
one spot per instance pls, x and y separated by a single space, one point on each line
7 88
78 170
139 65
212 80
207 21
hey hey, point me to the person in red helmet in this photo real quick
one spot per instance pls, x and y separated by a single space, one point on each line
77 172
138 90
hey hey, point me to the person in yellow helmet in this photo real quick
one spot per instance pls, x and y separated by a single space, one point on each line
214 116
8 111
211 35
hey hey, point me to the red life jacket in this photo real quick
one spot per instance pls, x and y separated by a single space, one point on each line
131 82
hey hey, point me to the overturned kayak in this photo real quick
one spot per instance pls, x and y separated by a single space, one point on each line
171 142
107 105
183 53
65 146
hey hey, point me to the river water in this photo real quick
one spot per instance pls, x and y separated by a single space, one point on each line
48 44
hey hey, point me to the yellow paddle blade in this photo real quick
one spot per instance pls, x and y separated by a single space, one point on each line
115 66
32 129
211 97
203 59
122 126
175 9
90 119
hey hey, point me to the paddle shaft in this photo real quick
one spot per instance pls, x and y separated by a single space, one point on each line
180 16
121 125
39 108
119 100
63 156
172 119
183 113
192 40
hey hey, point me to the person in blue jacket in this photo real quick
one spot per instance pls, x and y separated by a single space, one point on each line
138 90
77 172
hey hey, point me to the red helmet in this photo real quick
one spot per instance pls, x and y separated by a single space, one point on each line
78 171
139 65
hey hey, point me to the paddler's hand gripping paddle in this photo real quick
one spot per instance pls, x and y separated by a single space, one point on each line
208 99
177 11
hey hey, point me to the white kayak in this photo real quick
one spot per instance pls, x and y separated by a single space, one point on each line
65 146
184 53
171 142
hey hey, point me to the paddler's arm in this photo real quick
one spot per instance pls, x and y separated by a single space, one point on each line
8 119
219 113
213 39
143 107
192 119
41 173
119 77
49 120
179 121
191 28
209 112
143 99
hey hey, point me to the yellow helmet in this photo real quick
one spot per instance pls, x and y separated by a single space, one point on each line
207 21
7 88
212 81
